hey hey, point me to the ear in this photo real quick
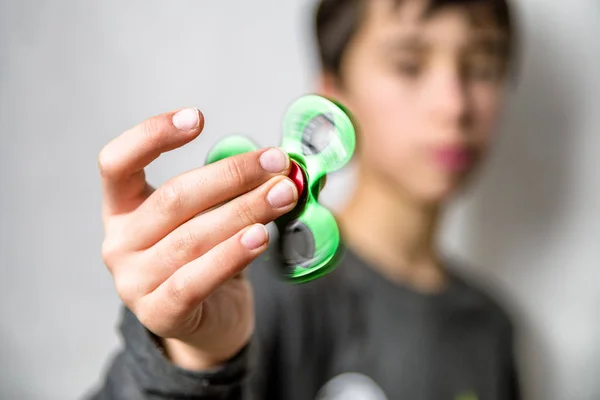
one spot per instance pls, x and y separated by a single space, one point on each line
329 86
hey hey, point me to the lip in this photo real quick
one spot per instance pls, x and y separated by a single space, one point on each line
454 158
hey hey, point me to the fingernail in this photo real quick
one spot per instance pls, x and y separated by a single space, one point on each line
283 194
274 160
255 237
187 119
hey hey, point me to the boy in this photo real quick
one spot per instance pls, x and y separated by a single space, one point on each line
424 81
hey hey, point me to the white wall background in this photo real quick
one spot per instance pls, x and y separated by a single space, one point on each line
75 74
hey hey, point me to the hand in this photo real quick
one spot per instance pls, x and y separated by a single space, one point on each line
177 253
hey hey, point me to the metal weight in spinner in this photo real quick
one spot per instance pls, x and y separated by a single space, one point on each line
319 138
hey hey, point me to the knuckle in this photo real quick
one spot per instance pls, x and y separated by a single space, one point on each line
245 212
163 255
127 289
225 261
184 242
106 163
110 252
146 317
151 131
179 292
234 171
169 197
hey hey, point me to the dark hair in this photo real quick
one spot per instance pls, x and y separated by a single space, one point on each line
337 21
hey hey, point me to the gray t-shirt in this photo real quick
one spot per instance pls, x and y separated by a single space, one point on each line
350 335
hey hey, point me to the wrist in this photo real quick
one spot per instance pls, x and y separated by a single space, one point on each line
191 358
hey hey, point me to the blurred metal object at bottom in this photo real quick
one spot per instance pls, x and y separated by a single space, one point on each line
351 386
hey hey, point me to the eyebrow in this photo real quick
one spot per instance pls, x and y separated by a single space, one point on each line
486 43
411 42
493 45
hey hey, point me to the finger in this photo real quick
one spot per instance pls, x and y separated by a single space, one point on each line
181 295
197 236
194 192
122 160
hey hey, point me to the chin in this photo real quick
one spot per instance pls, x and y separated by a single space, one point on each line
438 193
430 189
435 197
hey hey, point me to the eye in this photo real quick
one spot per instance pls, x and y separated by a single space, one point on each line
409 68
484 69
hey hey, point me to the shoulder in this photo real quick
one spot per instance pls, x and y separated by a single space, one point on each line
482 296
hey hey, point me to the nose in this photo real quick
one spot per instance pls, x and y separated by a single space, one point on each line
448 99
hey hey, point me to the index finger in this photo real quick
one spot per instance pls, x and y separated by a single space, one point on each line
194 192
122 160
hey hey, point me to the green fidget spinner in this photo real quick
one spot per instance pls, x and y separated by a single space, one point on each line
319 137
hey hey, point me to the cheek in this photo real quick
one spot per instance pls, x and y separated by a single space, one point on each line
387 119
486 109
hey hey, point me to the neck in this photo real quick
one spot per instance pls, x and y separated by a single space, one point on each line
394 233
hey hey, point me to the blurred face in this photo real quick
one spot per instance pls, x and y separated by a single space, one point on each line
425 92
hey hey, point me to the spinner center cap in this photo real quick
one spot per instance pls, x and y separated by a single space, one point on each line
297 176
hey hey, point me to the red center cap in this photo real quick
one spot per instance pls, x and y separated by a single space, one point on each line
297 176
